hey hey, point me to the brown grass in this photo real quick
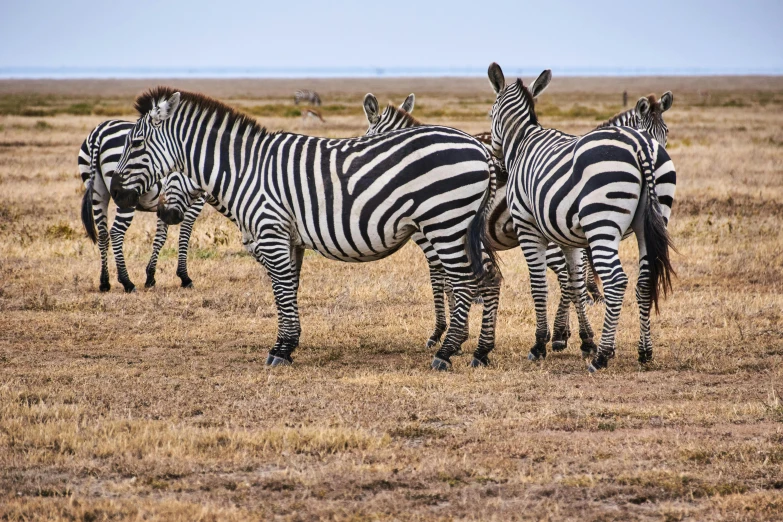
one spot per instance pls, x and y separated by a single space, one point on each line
158 406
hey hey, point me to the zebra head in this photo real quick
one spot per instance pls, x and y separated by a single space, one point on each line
650 113
392 118
147 156
177 196
514 107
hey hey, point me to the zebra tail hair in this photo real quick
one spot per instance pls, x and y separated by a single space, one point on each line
656 237
88 219
483 259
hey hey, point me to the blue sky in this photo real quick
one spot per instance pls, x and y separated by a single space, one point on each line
301 34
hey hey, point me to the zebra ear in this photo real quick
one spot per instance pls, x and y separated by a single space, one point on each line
541 83
166 108
407 105
371 108
666 101
643 106
496 77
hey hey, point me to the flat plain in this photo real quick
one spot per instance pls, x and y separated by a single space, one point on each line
158 406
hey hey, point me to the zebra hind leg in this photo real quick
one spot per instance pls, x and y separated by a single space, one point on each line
561 329
457 332
644 300
100 211
437 279
121 223
578 296
610 270
161 231
535 255
490 297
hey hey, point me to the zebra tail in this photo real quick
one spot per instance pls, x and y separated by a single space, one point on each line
656 236
88 219
483 259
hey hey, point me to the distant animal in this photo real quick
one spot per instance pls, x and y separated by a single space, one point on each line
583 191
647 115
307 96
625 98
98 157
312 114
357 199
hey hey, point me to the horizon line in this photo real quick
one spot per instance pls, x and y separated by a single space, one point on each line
252 72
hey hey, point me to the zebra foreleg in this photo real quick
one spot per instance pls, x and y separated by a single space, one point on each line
561 331
185 230
161 232
276 256
120 226
608 267
578 296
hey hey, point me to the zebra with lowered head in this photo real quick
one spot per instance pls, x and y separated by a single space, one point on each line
583 191
356 199
307 96
98 157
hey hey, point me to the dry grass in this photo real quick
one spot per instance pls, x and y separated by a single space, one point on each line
157 405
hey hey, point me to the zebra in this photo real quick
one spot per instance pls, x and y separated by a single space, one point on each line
646 115
354 199
583 191
499 226
98 156
307 96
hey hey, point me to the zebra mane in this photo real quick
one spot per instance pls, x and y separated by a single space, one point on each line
531 102
145 102
406 116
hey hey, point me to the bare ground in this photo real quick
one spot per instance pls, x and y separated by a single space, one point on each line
158 406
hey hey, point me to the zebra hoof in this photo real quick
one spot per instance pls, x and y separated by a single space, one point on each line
432 342
599 363
186 283
559 346
189 285
105 287
130 289
149 283
537 352
588 349
281 361
440 365
269 359
479 362
645 356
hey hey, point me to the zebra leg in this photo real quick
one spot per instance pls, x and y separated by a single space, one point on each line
464 289
490 296
437 280
534 249
556 261
608 267
185 230
592 284
578 295
161 232
275 253
644 300
100 212
120 226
